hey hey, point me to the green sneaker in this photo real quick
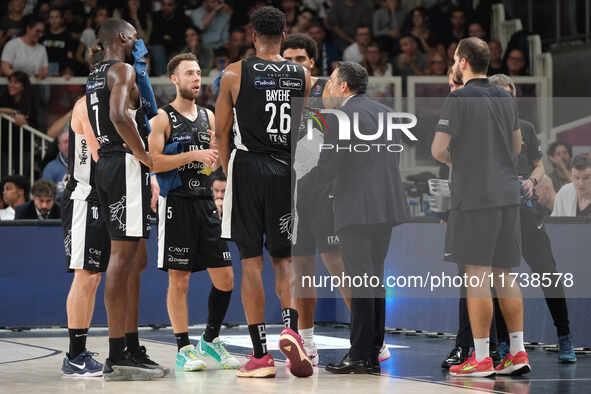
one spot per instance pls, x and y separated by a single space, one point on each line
218 353
186 360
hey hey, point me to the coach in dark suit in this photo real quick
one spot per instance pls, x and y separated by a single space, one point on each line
42 206
369 201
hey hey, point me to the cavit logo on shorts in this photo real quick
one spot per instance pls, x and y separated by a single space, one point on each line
291 83
265 83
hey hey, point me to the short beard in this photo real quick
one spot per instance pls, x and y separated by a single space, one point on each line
458 76
187 94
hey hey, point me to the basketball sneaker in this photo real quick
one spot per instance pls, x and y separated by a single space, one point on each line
216 350
514 364
263 367
384 353
141 357
292 347
471 367
311 351
187 361
128 369
83 365
566 352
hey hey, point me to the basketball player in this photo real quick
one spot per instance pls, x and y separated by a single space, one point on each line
123 187
189 227
315 230
256 94
86 242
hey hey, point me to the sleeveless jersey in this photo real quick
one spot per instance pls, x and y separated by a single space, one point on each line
80 167
191 135
97 102
264 114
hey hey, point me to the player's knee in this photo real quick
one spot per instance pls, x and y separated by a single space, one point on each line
225 280
179 281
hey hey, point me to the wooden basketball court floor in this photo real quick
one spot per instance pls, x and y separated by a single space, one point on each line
30 362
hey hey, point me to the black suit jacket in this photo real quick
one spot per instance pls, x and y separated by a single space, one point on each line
27 211
368 187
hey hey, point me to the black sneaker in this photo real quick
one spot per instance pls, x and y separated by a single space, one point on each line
128 369
141 357
457 356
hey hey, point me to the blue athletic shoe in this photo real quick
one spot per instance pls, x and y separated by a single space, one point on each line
566 352
502 349
83 365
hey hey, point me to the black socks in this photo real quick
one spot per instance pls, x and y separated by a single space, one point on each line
132 342
182 339
258 336
217 304
77 341
290 318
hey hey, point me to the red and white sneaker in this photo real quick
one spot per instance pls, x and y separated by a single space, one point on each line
292 347
471 367
263 367
514 364
384 353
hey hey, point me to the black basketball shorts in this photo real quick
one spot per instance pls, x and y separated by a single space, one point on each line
257 204
86 239
123 188
189 235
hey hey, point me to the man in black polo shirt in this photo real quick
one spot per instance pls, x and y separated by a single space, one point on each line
481 122
536 247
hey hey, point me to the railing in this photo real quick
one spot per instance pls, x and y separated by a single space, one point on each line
33 134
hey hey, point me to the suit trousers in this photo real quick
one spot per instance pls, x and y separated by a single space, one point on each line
364 248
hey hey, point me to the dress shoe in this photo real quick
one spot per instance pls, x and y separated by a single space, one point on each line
457 356
347 366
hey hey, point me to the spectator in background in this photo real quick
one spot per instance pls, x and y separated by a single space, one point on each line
75 20
57 169
345 17
417 24
496 58
546 195
42 206
515 63
437 64
451 50
237 41
139 14
320 8
213 19
328 53
15 192
412 60
377 65
89 35
58 43
17 101
168 35
387 23
248 30
305 19
12 24
458 24
356 51
290 8
218 189
574 199
476 30
440 15
25 53
560 154
204 55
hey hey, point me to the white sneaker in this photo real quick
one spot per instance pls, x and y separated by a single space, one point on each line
384 353
312 352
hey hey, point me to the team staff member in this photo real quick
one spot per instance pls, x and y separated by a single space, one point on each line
483 122
535 243
189 227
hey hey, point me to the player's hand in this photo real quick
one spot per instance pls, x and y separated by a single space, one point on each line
155 192
146 159
212 142
528 188
208 157
20 119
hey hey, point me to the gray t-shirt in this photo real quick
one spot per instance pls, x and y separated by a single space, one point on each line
23 57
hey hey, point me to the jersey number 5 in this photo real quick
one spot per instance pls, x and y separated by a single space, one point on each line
284 118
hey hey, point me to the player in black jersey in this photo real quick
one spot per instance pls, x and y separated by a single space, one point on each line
189 227
86 242
256 95
123 187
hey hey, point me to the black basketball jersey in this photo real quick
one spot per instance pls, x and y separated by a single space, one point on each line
81 167
97 102
264 114
191 135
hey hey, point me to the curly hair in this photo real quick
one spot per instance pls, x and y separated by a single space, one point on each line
268 21
301 41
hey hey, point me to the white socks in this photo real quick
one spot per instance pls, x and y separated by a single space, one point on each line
307 335
516 342
481 348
